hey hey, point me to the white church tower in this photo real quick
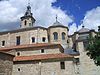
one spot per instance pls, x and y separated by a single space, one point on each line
27 20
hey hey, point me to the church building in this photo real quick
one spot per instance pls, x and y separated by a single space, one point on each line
47 51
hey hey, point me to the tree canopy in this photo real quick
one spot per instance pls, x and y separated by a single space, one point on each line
93 48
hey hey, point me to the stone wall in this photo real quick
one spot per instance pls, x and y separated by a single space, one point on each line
28 23
45 67
28 52
38 34
59 30
87 66
25 37
6 64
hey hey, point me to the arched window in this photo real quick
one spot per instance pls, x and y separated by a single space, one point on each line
25 22
43 39
55 34
63 36
3 43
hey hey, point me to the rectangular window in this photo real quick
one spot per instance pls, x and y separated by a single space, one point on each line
33 39
3 43
18 69
18 40
30 24
62 65
42 50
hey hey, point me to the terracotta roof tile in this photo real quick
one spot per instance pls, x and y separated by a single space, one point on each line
42 57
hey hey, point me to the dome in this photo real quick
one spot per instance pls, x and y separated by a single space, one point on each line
56 23
83 30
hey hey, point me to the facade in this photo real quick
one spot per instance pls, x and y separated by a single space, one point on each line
51 51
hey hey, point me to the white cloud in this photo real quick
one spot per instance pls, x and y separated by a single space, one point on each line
43 11
92 19
72 29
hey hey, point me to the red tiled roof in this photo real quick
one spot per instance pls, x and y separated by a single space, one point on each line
38 45
42 57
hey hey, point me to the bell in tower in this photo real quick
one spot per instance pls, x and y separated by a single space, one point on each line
27 20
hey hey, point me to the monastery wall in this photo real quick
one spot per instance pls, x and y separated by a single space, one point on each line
46 67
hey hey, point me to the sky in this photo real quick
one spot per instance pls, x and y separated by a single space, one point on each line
71 13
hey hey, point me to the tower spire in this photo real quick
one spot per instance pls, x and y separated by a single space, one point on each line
27 20
28 11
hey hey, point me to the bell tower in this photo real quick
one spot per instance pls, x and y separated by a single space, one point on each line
27 20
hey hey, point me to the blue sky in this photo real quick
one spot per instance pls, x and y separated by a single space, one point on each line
71 13
77 8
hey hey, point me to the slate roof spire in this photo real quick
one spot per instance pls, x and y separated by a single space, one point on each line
28 11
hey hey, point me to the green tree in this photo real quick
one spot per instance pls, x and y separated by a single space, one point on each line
93 48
